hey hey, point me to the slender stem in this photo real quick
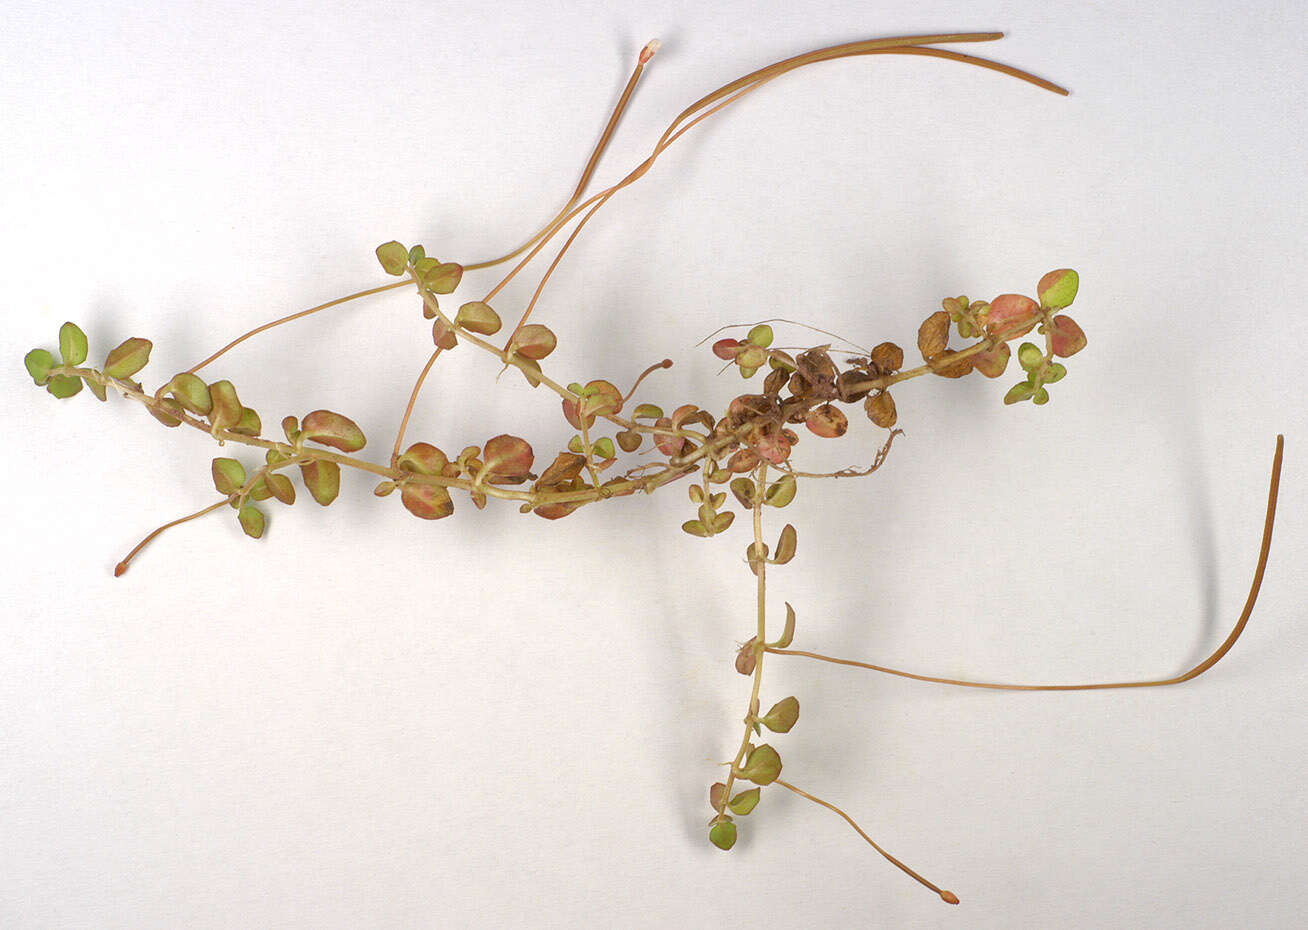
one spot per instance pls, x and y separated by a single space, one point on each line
643 59
408 410
947 896
1195 672
122 566
294 316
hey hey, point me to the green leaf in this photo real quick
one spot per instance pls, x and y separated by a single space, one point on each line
192 393
782 716
72 344
1058 288
695 528
252 520
333 429
1030 357
781 492
249 424
417 254
786 544
723 834
744 802
1040 398
629 440
743 489
1054 373
762 766
1019 392
716 795
648 411
760 335
394 257
226 411
281 488
603 448
39 362
128 358
530 369
63 386
96 388
443 277
228 475
788 633
477 316
722 521
323 480
169 412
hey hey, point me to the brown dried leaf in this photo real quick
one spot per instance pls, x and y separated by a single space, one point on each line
933 335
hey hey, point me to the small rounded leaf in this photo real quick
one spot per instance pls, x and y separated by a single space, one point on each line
534 341
281 488
226 411
228 475
64 386
39 362
993 362
252 520
786 545
442 277
509 458
249 424
192 393
781 492
333 429
423 458
880 409
788 633
1058 288
1019 392
168 412
394 257
782 716
762 766
744 802
726 349
888 357
1010 310
827 421
323 479
723 834
477 316
428 501
1030 357
72 344
760 335
933 335
1067 337
629 440
603 448
128 358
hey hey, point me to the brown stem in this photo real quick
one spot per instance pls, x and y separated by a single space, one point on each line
947 896
1195 672
122 566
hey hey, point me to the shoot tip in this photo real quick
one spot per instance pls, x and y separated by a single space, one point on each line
648 51
119 569
948 897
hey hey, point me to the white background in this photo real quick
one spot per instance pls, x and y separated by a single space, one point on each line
365 720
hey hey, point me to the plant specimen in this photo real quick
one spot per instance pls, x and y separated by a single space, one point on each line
739 461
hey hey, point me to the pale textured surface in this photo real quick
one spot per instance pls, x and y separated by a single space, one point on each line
495 721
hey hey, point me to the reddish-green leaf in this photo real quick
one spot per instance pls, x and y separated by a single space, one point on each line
228 475
423 458
647 411
786 545
762 766
443 335
281 488
508 458
428 501
1068 339
249 423
726 349
252 520
333 429
992 362
96 388
629 440
394 257
128 358
788 632
443 277
782 716
226 411
695 528
781 492
743 489
1010 310
192 393
534 341
478 317
168 412
1058 288
322 479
